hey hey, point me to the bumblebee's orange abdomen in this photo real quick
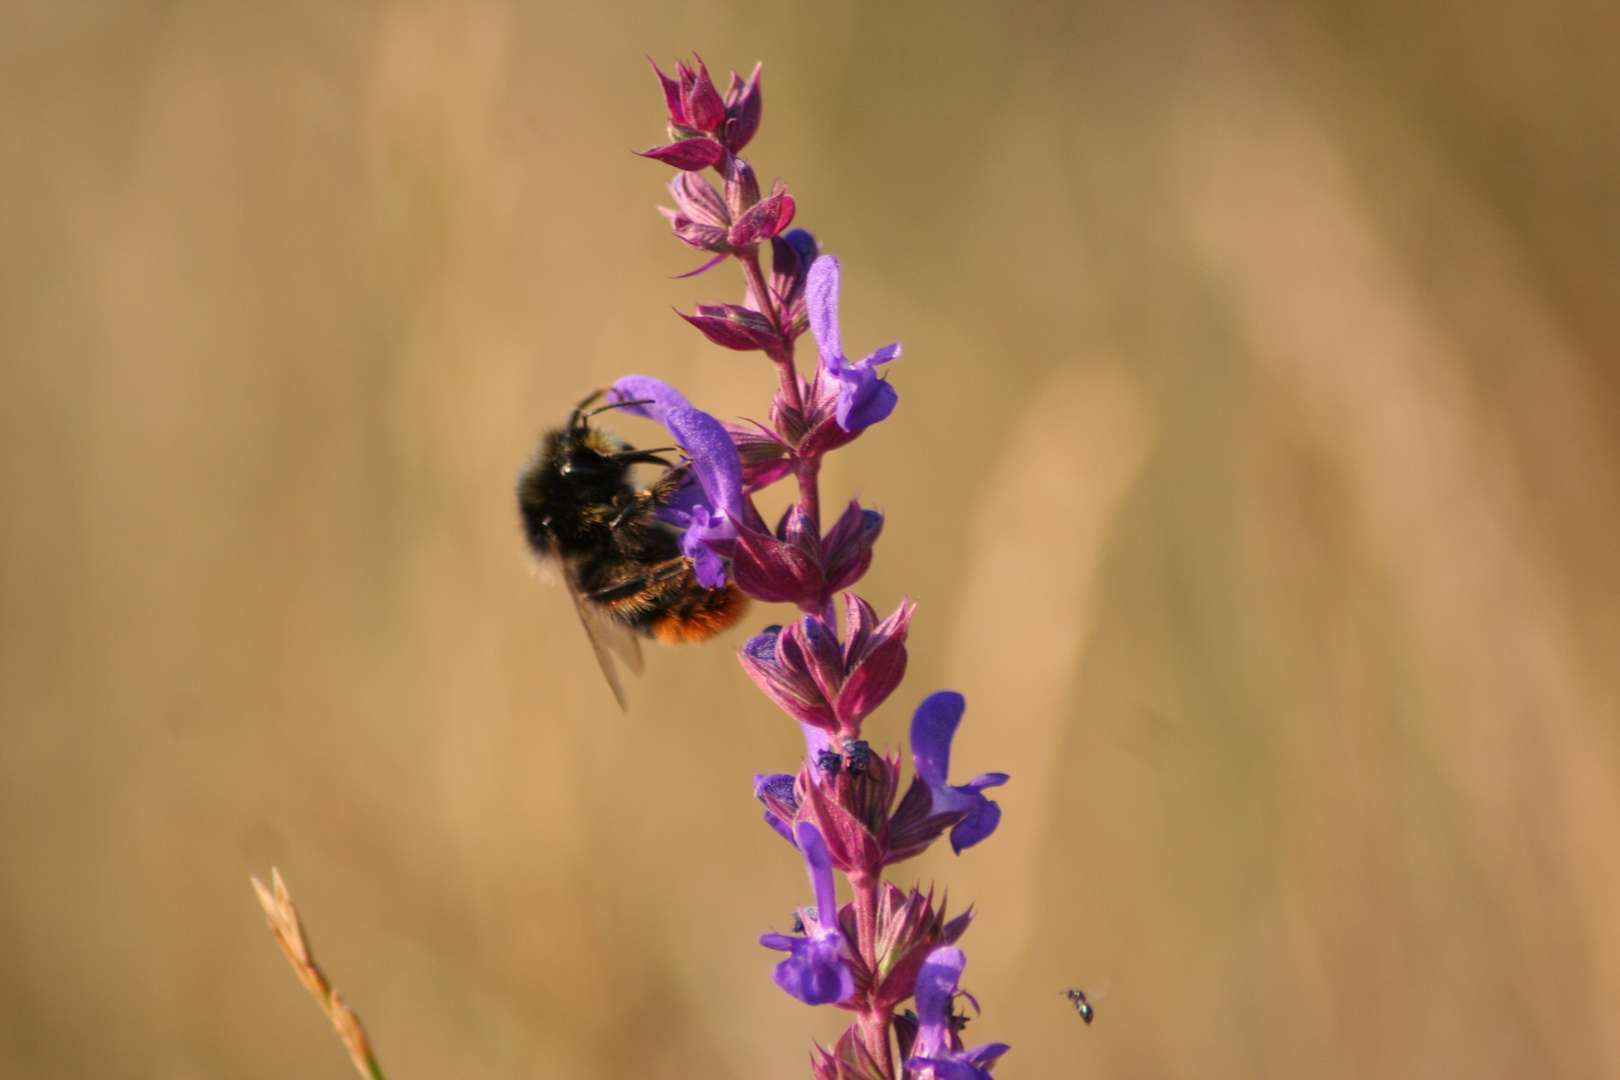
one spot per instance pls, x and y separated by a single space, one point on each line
700 615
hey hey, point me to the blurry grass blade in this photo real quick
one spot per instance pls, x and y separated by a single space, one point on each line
283 918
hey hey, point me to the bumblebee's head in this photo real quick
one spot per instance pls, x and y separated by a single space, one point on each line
585 459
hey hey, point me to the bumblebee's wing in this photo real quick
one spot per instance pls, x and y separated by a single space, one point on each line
608 639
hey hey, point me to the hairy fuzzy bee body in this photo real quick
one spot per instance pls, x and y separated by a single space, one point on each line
623 566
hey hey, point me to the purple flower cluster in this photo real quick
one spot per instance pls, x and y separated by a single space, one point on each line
843 809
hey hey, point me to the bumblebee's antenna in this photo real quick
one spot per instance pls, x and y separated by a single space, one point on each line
577 420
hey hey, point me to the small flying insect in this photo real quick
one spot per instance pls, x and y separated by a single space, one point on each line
1081 1005
622 565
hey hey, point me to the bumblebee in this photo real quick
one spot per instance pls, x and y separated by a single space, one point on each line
623 567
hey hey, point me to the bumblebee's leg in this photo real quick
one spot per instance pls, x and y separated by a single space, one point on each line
645 502
654 578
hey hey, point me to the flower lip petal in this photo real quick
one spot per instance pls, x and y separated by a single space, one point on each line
883 355
864 400
978 825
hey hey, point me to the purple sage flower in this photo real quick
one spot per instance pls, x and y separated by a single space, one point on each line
863 397
933 726
816 972
936 1047
709 510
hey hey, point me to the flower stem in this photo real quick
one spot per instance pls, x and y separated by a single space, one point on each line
808 474
873 1023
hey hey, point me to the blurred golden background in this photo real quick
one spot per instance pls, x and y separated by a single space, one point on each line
1254 474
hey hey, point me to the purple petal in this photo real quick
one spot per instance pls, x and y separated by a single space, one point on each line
816 973
821 304
780 826
945 1068
984 1056
661 397
936 983
715 461
817 741
959 1067
933 726
803 244
818 862
978 825
881 356
863 399
707 567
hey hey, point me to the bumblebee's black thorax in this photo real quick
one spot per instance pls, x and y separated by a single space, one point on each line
578 501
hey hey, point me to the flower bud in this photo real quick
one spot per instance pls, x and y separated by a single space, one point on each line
780 569
908 929
846 553
775 661
743 104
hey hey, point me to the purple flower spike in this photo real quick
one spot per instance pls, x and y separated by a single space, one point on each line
936 1048
863 397
932 728
816 972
